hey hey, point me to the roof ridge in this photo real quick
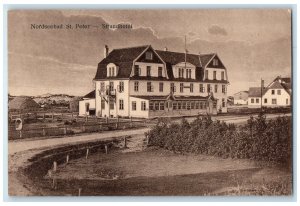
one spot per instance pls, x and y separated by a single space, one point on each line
187 53
132 47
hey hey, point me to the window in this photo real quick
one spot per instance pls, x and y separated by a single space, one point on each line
187 74
257 100
278 92
133 105
190 71
222 76
274 101
156 105
201 105
191 87
215 104
161 106
121 104
215 75
136 86
151 106
223 102
216 88
172 87
197 105
183 105
111 86
149 55
206 74
193 105
181 87
143 106
148 71
121 86
224 89
160 72
174 105
112 71
179 105
188 105
149 87
136 70
179 72
273 91
111 104
102 104
215 62
109 71
287 101
87 107
252 100
161 86
208 87
265 100
102 86
202 89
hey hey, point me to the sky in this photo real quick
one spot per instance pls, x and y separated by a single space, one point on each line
252 44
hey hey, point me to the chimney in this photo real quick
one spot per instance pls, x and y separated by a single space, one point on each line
166 49
106 51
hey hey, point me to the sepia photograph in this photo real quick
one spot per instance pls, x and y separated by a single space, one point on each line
150 102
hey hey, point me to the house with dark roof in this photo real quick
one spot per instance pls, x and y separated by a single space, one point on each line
87 105
144 82
276 94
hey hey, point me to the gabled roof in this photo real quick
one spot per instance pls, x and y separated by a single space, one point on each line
90 95
123 58
256 91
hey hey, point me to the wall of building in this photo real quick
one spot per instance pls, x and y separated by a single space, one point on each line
82 107
107 112
154 69
138 112
281 99
218 73
184 66
240 101
255 104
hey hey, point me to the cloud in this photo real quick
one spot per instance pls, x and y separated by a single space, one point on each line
217 30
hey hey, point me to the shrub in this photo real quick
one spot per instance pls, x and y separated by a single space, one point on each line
259 139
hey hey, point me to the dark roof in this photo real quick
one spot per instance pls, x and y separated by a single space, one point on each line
90 95
124 58
256 91
164 97
23 103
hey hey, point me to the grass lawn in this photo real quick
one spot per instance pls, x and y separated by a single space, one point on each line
160 172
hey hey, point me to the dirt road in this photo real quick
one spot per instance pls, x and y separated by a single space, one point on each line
18 146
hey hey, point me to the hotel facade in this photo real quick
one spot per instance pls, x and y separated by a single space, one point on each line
143 82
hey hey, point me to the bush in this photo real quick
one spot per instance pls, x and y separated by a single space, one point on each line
259 139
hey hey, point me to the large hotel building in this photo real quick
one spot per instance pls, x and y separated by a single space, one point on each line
143 82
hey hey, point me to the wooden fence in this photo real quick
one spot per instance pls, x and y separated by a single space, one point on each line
88 127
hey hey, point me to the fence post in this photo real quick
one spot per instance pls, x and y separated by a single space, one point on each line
106 149
86 118
131 122
79 191
54 166
87 153
106 119
65 130
117 124
100 126
44 132
67 159
82 128
125 142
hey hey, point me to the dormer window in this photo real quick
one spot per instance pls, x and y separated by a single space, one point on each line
215 62
149 55
112 70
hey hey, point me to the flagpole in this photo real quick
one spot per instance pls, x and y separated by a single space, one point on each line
184 51
261 91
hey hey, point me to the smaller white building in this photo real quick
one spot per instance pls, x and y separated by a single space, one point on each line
276 94
87 105
240 98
